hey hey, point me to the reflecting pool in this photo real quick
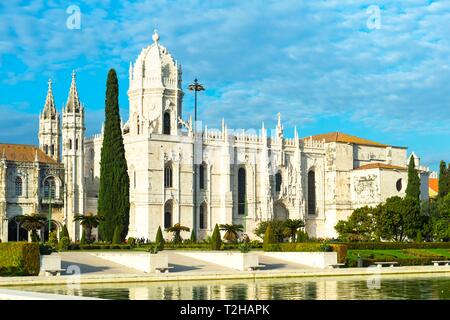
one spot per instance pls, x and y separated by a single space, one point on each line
428 286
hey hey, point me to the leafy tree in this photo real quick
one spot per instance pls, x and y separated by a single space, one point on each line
389 221
277 227
88 222
159 239
413 221
113 199
176 230
53 239
292 226
413 188
231 231
117 238
441 222
32 223
360 225
216 241
444 179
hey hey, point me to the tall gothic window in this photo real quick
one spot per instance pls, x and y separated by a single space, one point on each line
50 188
166 123
76 144
311 192
138 122
70 144
46 149
168 176
92 154
202 176
241 191
19 186
278 182
203 216
168 214
52 149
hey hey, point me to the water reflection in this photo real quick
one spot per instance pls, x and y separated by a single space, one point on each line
398 287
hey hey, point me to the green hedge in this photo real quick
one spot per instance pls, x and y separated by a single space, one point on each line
340 249
100 246
396 245
19 259
401 262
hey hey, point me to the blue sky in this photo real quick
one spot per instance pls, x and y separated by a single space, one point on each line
316 62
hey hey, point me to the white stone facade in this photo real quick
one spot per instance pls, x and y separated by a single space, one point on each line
242 177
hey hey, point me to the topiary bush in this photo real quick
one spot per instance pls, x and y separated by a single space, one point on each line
131 242
269 238
64 244
19 259
160 239
396 245
216 240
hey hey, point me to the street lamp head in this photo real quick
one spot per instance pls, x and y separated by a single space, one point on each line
196 86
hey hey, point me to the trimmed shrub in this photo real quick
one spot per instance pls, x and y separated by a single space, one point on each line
269 237
64 243
216 240
64 233
19 258
160 239
131 242
341 251
117 238
401 262
193 236
83 237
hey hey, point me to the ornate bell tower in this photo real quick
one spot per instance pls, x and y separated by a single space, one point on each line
73 158
50 127
155 93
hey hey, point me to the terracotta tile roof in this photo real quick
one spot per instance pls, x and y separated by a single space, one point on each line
378 165
23 153
433 184
345 138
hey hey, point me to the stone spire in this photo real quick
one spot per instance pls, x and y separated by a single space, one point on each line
73 102
49 107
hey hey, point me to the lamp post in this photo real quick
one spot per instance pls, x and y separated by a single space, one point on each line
196 87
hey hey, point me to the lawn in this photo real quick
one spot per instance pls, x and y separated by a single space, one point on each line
398 254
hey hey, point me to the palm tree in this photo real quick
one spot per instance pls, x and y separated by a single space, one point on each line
32 222
231 231
89 221
176 230
292 226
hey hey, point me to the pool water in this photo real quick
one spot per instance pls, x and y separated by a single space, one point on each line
423 287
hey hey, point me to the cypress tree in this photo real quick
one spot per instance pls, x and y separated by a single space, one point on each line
444 177
117 238
413 188
113 198
159 239
216 240
64 233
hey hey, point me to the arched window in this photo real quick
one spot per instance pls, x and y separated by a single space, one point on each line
278 182
311 192
241 191
70 144
168 214
166 123
46 149
18 186
168 176
91 172
49 188
92 153
203 216
202 170
76 144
